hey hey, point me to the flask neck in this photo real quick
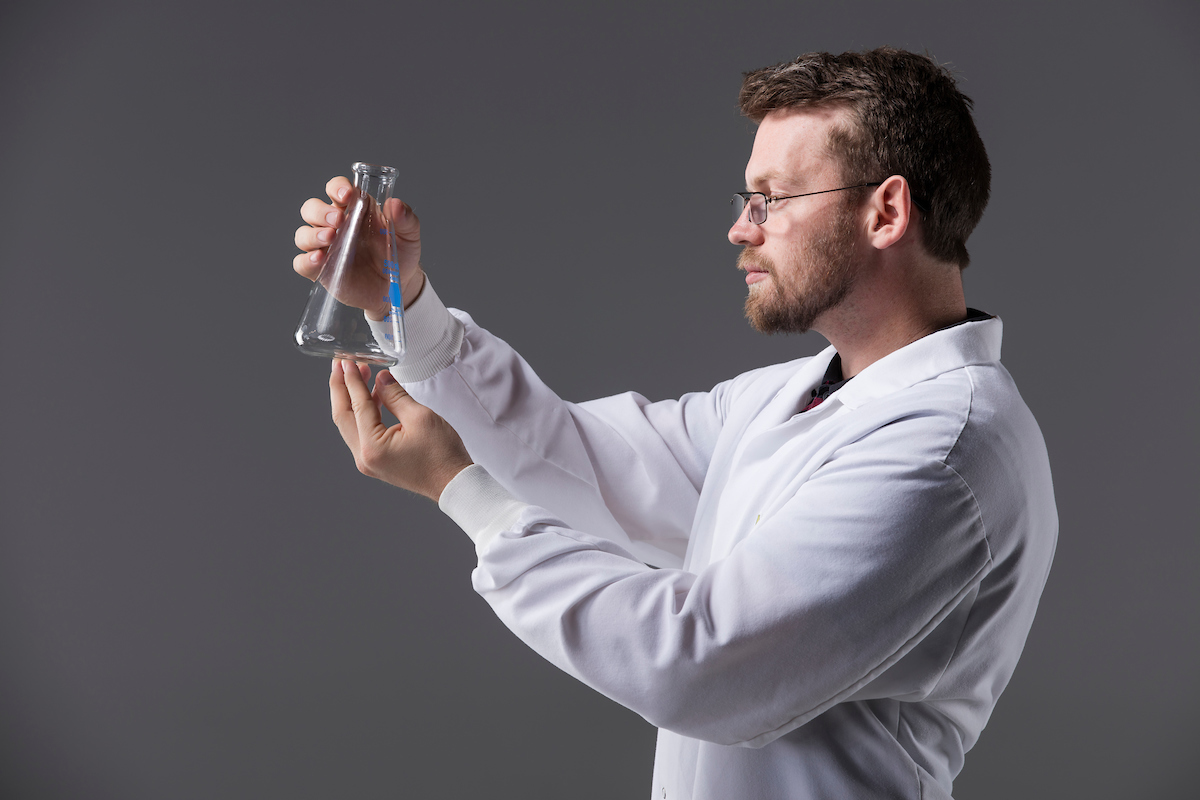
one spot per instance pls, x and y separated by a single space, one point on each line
375 181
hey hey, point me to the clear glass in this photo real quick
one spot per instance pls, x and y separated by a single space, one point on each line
363 247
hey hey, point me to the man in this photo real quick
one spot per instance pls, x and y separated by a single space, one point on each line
851 546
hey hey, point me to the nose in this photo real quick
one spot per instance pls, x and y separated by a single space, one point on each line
744 232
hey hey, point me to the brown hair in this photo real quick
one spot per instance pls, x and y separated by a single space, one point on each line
910 120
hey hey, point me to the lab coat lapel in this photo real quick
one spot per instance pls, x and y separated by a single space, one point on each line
725 514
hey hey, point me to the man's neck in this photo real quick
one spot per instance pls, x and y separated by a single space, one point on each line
889 310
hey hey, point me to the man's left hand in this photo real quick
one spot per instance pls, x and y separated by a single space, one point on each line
421 453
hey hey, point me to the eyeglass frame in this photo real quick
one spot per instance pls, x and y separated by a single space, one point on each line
767 200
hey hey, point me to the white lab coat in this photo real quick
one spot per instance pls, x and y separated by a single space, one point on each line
844 592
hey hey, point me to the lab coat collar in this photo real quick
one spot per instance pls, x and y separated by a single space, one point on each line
940 352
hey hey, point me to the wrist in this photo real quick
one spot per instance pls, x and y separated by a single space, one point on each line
479 505
444 479
412 288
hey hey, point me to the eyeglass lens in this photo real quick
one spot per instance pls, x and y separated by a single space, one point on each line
758 208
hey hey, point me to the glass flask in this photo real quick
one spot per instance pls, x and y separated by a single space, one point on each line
360 267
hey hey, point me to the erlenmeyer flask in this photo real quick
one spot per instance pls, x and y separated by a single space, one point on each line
360 272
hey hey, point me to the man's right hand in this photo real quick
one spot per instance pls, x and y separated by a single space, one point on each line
367 284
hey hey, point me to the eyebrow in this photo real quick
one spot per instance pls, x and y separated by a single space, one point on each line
766 177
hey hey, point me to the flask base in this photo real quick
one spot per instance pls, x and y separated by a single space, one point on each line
331 351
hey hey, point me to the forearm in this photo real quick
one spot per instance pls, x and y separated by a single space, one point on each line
615 467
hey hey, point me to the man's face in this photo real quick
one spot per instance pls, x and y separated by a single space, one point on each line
800 262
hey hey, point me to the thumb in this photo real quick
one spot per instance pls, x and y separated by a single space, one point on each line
404 221
392 395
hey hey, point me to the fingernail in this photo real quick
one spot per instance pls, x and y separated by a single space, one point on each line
324 236
315 256
342 193
333 366
332 217
386 378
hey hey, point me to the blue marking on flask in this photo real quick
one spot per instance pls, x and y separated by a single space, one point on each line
392 269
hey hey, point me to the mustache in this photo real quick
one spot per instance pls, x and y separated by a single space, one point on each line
751 261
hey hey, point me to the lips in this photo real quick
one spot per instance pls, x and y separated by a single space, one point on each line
754 272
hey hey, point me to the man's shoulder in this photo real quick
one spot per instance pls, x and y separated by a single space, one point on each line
956 416
975 421
982 400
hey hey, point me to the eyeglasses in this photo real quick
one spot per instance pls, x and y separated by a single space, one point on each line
758 201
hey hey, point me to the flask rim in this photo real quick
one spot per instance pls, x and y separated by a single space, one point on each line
373 170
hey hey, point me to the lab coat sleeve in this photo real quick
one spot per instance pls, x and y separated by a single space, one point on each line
622 468
869 556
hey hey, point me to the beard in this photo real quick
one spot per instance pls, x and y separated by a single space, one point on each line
816 276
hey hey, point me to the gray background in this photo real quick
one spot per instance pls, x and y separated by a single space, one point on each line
199 594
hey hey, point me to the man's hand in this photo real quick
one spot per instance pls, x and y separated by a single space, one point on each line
421 453
367 287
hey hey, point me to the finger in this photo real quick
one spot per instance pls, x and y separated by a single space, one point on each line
338 190
343 412
366 413
320 214
394 397
309 238
365 371
384 383
309 264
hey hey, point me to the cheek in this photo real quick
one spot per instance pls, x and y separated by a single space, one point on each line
784 227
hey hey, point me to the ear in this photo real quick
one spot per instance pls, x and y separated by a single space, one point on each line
889 212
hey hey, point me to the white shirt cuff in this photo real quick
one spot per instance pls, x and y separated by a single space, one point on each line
479 505
433 337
